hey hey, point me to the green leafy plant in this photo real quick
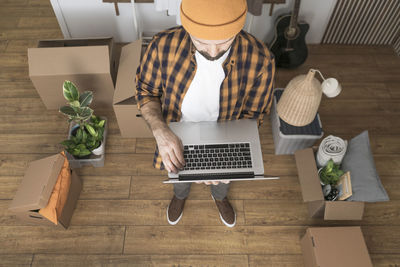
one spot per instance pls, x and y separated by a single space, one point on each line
330 174
90 128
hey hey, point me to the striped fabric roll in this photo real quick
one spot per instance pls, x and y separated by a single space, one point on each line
331 147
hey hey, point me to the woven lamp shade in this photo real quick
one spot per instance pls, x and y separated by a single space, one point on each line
300 100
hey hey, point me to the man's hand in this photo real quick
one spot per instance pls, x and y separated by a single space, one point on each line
169 145
170 148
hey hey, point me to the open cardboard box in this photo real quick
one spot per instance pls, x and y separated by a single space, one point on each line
312 192
88 63
335 246
130 121
35 190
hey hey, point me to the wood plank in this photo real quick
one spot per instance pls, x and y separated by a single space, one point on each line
151 187
16 260
14 3
26 11
294 260
196 239
267 143
18 89
3 45
42 260
32 33
39 3
382 239
13 60
362 90
50 143
279 165
146 145
148 212
368 74
11 74
393 88
343 49
286 188
355 124
31 106
267 212
8 22
387 61
78 240
39 123
20 46
392 186
9 186
385 260
42 22
105 187
364 107
7 218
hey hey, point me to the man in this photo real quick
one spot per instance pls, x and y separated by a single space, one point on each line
207 70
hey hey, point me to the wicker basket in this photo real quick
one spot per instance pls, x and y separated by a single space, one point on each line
300 100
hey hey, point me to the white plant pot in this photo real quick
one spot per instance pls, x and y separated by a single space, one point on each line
319 171
100 150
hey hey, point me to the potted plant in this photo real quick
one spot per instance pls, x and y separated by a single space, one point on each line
330 174
86 134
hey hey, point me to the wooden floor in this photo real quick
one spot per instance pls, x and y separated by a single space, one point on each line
120 217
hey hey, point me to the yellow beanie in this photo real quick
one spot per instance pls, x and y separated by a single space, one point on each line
213 19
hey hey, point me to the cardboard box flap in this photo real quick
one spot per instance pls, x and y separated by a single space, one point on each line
38 183
340 246
307 248
108 41
129 62
308 175
68 60
73 195
343 210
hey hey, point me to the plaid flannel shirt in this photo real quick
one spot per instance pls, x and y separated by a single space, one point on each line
169 65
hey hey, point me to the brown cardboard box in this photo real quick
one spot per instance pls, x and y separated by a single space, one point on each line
335 246
35 190
88 63
312 192
130 121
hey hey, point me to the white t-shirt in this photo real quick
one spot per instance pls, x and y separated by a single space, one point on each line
201 102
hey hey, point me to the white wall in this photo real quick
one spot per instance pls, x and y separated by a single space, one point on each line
92 18
315 13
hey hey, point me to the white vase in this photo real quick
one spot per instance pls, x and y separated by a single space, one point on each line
100 150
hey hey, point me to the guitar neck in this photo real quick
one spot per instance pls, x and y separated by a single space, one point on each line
295 13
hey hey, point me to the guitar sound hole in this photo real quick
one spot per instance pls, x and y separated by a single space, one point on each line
292 33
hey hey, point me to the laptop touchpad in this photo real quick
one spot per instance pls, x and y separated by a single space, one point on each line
212 131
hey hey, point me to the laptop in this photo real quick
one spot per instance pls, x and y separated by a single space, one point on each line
219 151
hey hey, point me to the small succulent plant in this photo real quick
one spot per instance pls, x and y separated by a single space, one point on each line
330 174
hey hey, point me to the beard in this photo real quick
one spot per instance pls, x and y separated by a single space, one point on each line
208 57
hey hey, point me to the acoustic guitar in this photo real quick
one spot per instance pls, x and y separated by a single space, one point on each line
289 45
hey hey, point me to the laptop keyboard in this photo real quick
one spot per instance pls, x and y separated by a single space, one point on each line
217 156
